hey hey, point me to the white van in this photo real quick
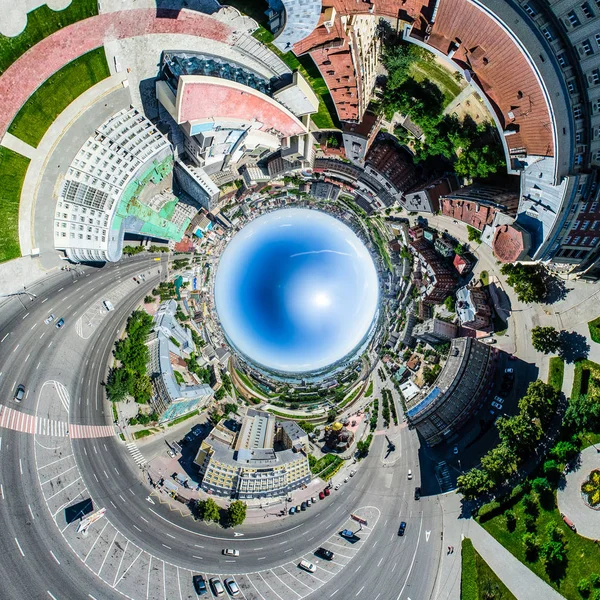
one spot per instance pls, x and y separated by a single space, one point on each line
108 305
307 566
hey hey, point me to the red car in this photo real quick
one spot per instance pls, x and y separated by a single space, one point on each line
326 491
321 495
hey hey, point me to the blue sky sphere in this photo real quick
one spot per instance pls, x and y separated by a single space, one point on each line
296 290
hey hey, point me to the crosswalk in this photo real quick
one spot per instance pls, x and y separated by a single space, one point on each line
138 457
91 431
20 421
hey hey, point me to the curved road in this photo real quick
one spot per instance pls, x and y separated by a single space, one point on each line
142 549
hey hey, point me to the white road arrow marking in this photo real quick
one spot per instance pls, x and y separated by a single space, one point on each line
150 500
427 534
236 534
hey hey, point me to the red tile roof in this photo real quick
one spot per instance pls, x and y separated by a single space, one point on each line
208 97
472 213
508 244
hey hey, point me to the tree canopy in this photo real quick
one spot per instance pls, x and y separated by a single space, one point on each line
528 281
545 339
236 513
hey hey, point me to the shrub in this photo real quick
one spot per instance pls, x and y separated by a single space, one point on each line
511 520
530 505
584 587
532 548
595 580
530 522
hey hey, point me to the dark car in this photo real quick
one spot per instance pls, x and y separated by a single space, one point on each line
417 493
200 585
324 553
60 323
19 393
349 535
322 495
303 506
326 491
402 528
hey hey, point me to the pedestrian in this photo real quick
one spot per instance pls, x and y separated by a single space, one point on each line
448 550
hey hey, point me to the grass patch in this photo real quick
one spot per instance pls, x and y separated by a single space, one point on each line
369 391
56 93
422 70
291 417
122 437
142 433
316 466
556 372
13 168
41 23
581 553
252 386
469 589
178 377
594 327
331 470
586 371
350 398
485 278
184 418
114 410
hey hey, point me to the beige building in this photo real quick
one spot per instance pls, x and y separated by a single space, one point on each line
255 458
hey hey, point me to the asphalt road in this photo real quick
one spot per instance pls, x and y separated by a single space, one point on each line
143 549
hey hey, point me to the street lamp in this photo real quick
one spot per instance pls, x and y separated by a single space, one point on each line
591 443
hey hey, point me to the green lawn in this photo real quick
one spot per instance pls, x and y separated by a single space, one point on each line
586 371
478 581
594 327
556 372
583 555
56 93
13 168
443 78
41 23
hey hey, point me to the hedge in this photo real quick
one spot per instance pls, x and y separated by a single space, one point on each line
469 585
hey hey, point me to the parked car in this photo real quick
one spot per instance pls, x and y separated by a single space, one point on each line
303 506
402 528
200 585
217 586
293 510
49 319
349 535
326 491
499 400
313 500
322 495
417 493
19 393
230 552
497 406
324 553
455 450
509 371
232 586
489 341
307 566
353 473
337 487
297 508
108 305
345 479
60 323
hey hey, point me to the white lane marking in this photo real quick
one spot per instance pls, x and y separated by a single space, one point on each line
33 326
31 512
61 289
19 547
16 347
21 466
24 316
54 557
44 300
4 337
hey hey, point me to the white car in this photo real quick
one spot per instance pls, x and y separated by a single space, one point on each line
353 473
498 400
307 566
496 405
346 480
409 474
230 552
337 487
509 371
49 319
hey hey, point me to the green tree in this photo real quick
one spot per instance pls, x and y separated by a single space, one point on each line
118 384
148 299
532 546
511 520
539 402
552 471
474 482
528 281
142 389
474 234
209 510
584 587
307 426
220 393
564 451
583 413
545 339
500 462
519 433
236 513
450 303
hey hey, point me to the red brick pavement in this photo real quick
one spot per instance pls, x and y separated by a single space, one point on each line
23 77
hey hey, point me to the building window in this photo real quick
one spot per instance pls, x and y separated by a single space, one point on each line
598 39
595 76
571 87
576 240
583 207
575 226
577 112
548 33
529 10
587 10
586 48
585 225
568 240
562 60
573 19
594 207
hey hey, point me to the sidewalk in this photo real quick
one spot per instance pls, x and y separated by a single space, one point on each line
520 580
